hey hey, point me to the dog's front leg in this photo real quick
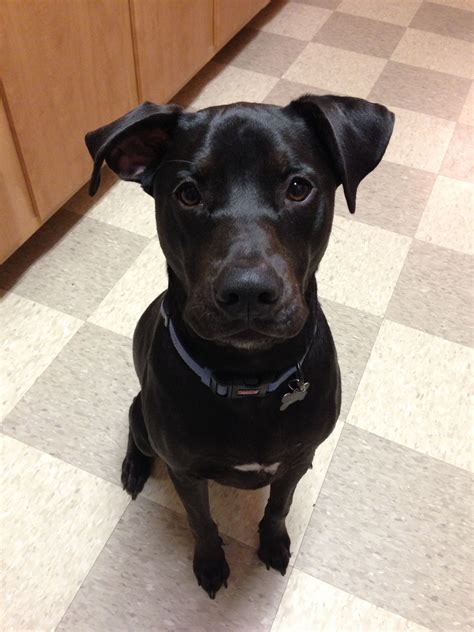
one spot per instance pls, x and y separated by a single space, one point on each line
274 550
210 566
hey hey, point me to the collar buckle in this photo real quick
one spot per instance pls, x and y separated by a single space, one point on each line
239 388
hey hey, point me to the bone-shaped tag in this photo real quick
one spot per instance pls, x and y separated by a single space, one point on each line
298 393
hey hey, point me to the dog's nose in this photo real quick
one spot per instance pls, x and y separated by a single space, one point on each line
247 291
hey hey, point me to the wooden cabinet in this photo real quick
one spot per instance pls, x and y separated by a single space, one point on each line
231 15
18 219
173 40
67 67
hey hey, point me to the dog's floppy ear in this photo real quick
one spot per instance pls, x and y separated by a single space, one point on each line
133 142
354 132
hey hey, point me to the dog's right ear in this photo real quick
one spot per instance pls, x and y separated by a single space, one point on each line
132 143
354 131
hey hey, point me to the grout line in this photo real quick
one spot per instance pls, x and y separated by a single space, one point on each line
371 603
101 221
92 565
427 333
402 267
293 569
293 565
407 447
319 492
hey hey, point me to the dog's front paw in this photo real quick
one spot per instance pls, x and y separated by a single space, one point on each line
274 550
211 570
136 468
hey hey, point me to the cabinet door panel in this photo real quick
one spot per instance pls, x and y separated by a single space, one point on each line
231 15
17 218
67 67
173 40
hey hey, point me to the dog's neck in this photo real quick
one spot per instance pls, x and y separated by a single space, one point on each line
223 358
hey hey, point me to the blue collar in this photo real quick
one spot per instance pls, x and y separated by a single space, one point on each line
237 387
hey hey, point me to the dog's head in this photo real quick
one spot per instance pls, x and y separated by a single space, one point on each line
244 199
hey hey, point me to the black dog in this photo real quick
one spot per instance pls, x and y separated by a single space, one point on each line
238 371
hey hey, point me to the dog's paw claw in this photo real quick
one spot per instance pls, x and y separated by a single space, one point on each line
212 571
135 473
274 551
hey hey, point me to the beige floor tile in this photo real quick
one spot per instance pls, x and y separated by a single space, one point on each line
301 21
308 489
260 51
459 159
458 4
217 85
361 266
285 91
428 91
127 300
310 604
359 34
56 519
435 293
392 197
408 145
327 4
31 336
444 20
354 333
447 220
392 11
435 52
416 391
394 527
122 204
77 410
237 512
467 114
336 70
71 263
143 580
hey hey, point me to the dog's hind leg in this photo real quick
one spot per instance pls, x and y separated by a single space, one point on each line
138 461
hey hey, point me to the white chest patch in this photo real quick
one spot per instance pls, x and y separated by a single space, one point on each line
258 467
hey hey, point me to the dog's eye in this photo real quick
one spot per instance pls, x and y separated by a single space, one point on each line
188 194
298 190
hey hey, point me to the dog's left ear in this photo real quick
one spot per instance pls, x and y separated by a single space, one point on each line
133 143
354 132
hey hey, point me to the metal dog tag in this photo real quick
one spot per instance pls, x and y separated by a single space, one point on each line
299 389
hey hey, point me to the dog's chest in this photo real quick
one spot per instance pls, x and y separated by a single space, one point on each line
248 452
238 442
249 464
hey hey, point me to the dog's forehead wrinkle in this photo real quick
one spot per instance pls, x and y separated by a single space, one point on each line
247 129
231 144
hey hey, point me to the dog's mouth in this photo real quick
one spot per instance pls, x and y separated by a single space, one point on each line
249 339
251 335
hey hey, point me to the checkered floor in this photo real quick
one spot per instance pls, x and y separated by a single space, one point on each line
380 526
